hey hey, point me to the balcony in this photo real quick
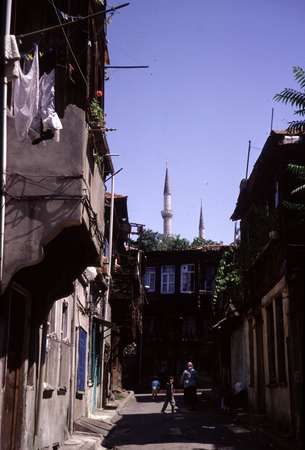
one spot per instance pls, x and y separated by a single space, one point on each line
55 190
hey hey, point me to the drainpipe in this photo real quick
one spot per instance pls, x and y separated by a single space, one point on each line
5 25
73 363
107 292
41 370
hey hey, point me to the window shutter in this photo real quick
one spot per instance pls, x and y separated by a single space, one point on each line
81 370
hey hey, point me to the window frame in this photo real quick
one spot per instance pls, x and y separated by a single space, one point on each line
190 279
150 273
168 278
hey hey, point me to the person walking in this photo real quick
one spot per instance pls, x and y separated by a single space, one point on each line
189 380
169 395
155 387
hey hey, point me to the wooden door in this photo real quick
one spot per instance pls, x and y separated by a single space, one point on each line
16 355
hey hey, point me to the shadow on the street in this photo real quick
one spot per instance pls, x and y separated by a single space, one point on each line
201 429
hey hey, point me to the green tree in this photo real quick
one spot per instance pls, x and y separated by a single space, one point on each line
199 242
296 98
174 243
228 276
149 240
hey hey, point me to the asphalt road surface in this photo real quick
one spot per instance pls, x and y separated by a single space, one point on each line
142 426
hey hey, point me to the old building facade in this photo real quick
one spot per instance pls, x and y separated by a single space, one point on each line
52 321
177 314
264 337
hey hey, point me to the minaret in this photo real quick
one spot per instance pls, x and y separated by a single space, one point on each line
167 213
201 225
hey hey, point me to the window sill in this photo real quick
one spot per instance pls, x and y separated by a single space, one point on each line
48 388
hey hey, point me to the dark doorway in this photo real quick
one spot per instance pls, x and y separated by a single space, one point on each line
14 377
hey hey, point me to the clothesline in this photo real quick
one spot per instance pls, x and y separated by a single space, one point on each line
70 46
72 22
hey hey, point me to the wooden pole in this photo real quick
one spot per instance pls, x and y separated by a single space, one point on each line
72 22
248 158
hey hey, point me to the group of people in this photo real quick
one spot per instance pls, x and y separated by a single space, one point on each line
189 381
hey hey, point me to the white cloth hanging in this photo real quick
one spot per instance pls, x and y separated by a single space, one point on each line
46 107
26 97
49 117
11 57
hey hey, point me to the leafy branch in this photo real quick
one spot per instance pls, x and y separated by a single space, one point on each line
295 99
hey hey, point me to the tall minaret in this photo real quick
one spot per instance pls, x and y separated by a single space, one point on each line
167 213
201 225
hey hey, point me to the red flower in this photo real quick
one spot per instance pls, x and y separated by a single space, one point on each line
99 93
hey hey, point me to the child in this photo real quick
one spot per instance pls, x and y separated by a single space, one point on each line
169 395
155 386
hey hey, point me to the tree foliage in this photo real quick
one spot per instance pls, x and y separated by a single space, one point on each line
296 99
199 242
228 276
150 241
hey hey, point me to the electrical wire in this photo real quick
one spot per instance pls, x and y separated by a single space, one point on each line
69 45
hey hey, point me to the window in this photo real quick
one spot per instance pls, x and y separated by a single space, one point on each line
280 338
209 278
271 346
187 278
64 323
167 279
150 279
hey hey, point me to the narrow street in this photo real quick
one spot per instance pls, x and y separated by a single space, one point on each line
143 426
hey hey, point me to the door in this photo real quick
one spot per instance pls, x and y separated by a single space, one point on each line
14 377
96 363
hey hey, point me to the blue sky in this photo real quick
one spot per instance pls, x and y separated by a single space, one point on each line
214 68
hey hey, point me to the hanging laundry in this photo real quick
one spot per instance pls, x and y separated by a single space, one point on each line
12 56
26 97
46 121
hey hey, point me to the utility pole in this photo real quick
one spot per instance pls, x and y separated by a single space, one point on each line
6 12
248 158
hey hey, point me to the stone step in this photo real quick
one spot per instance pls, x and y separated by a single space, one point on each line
80 441
95 426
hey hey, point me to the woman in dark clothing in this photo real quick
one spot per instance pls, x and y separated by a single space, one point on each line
189 380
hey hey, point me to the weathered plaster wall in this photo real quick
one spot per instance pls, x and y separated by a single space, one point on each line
47 169
81 320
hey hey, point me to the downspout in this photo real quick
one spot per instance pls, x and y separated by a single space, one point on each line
41 369
73 363
6 25
108 290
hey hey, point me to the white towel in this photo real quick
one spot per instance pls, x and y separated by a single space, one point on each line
26 97
11 56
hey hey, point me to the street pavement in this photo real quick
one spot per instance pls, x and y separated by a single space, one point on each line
142 426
